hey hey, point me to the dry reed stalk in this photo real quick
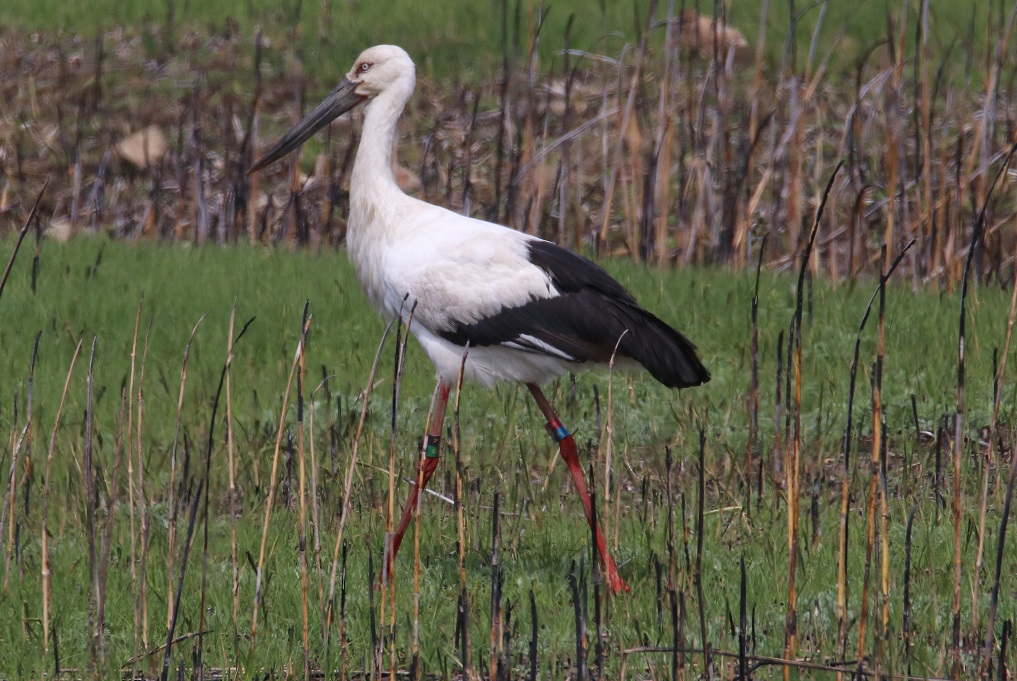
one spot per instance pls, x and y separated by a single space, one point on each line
927 219
979 153
272 483
743 621
315 511
131 479
664 142
88 467
745 222
752 446
231 469
13 484
845 473
18 444
251 146
199 648
415 645
328 617
770 170
794 443
399 365
976 235
107 535
180 584
793 471
171 530
303 493
609 443
46 576
464 605
994 597
892 104
795 161
815 265
879 461
870 524
623 126
939 242
492 670
776 452
567 206
142 507
988 462
504 121
906 615
388 592
697 575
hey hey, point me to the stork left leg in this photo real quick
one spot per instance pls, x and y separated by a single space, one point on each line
567 449
425 468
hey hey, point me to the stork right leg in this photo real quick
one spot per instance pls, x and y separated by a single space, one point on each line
567 449
425 468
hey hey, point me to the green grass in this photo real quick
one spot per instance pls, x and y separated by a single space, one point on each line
504 449
462 40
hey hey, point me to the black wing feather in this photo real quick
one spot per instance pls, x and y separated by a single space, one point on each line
585 322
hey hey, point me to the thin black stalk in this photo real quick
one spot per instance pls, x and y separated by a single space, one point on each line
21 237
180 583
742 622
580 665
599 644
906 625
698 575
91 503
199 670
533 637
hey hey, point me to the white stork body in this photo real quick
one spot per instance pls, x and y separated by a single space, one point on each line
526 308
454 270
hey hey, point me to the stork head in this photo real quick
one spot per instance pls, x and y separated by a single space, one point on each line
379 70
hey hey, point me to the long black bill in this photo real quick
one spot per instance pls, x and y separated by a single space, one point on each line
339 101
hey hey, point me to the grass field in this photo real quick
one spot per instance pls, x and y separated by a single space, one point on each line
91 289
162 490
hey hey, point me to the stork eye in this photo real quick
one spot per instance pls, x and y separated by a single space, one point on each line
365 67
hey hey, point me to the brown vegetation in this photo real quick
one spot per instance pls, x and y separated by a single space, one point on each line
674 153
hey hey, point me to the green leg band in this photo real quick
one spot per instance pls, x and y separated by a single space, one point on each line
431 448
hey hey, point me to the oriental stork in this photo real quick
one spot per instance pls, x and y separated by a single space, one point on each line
526 309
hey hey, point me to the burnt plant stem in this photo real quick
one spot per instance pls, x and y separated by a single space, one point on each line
976 235
260 569
180 583
348 488
21 237
990 624
846 472
794 446
46 576
208 471
700 532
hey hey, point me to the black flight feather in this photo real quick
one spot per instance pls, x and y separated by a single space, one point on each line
584 322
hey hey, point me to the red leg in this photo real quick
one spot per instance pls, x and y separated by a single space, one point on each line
567 449
425 469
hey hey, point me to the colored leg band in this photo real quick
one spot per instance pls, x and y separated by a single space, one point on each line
558 431
431 448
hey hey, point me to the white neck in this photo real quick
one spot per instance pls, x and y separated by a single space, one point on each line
372 180
374 195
